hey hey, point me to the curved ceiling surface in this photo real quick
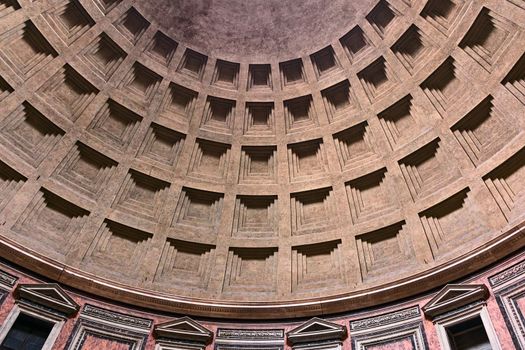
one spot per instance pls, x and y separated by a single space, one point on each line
261 159
256 29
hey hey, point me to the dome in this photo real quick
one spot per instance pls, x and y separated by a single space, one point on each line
256 31
261 159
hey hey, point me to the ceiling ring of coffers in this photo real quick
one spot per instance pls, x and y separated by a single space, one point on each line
469 263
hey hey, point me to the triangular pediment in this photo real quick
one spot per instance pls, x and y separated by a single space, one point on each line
183 328
50 295
316 329
454 296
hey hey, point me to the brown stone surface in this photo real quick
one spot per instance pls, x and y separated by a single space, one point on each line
306 157
260 29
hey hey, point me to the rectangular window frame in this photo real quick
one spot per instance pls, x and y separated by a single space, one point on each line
477 311
18 309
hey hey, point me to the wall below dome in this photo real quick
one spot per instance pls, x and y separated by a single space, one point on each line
401 325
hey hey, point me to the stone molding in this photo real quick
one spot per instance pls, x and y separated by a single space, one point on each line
316 330
454 296
183 329
261 339
508 302
7 280
386 319
113 317
49 295
507 274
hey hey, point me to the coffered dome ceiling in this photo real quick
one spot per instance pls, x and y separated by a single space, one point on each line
261 159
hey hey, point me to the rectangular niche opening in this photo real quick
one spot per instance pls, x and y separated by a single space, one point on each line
226 74
132 25
115 125
324 61
141 195
8 6
354 146
488 38
356 44
162 145
255 216
258 164
506 184
142 83
399 121
184 264
116 245
29 134
28 329
50 223
451 223
385 251
162 48
259 76
369 197
483 131
468 334
68 92
339 100
251 270
382 17
317 267
193 64
413 48
515 80
26 50
427 170
104 56
210 160
292 72
307 160
443 87
5 89
377 79
313 211
259 119
69 20
86 170
218 115
178 103
198 210
299 114
444 14
10 182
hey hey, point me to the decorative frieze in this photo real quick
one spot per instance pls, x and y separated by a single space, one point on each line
7 280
